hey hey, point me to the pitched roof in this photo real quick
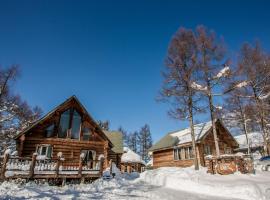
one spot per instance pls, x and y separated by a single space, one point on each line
52 112
183 136
255 140
131 157
116 138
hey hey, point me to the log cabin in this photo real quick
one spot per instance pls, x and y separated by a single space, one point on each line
175 148
131 161
71 130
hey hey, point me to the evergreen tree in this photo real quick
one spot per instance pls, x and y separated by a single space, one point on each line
145 142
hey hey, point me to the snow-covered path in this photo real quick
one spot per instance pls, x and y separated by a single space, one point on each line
114 189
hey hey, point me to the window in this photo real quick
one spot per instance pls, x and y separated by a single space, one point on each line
207 150
49 131
70 120
183 153
86 134
227 150
89 157
44 151
64 124
76 125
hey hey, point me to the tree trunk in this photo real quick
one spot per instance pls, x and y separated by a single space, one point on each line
196 163
213 119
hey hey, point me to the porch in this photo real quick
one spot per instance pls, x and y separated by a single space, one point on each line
13 167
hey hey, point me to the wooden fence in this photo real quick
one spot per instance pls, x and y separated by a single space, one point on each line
34 168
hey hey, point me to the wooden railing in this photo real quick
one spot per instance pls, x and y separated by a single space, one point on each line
25 167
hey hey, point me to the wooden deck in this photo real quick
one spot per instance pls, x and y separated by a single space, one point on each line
33 168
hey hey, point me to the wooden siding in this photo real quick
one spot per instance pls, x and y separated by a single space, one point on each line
165 158
28 140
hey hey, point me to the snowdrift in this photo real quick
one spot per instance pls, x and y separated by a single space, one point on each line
238 186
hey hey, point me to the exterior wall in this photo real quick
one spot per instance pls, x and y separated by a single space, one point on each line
115 157
131 167
71 149
165 158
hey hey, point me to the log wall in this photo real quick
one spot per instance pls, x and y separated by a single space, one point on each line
165 158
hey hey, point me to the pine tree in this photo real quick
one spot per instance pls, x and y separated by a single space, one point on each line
145 142
125 135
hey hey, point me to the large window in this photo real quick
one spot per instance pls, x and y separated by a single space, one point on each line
86 134
49 131
76 125
183 153
70 120
64 124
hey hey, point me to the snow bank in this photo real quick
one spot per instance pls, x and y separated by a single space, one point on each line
239 186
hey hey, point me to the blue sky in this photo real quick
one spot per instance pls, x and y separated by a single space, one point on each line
110 53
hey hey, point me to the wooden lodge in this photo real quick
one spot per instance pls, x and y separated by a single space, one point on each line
175 149
65 143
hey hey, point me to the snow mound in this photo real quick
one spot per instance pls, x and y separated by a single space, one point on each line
131 157
233 186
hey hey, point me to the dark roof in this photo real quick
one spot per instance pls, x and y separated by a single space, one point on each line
116 138
72 98
165 142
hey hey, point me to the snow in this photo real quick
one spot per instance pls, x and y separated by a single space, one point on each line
262 97
197 86
130 156
159 184
224 72
236 186
255 138
8 151
42 157
199 129
241 84
150 162
60 154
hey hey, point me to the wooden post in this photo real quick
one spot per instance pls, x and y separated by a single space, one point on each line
106 147
57 167
21 143
110 164
5 160
101 166
32 166
80 167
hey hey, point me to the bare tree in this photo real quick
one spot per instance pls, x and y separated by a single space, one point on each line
235 114
179 77
104 125
211 54
15 114
254 85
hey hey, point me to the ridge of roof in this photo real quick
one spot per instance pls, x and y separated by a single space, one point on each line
44 117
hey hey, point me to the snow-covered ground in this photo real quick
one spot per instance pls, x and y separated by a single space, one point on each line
164 183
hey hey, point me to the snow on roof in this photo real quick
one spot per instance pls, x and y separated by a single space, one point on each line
199 129
255 138
150 162
130 156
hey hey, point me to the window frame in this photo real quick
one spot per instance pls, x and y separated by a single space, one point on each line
53 130
182 153
207 149
39 148
70 122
